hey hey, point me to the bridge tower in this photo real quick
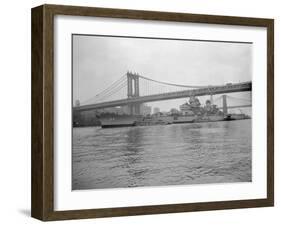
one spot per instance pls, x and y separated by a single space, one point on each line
224 104
133 91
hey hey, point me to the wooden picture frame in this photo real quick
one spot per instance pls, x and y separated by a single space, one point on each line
43 110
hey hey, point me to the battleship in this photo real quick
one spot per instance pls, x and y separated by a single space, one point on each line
190 112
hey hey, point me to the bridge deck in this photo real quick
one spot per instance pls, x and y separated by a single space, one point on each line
232 88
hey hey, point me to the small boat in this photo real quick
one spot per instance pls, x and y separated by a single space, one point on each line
228 118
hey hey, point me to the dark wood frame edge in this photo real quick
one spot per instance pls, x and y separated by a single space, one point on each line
42 197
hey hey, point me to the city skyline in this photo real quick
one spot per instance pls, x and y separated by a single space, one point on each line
156 109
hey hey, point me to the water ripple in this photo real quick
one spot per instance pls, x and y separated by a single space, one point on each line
162 155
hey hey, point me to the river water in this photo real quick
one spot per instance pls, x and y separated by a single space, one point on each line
177 154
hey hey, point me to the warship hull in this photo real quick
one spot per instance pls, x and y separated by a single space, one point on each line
118 121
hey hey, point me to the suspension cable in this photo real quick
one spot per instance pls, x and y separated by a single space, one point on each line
107 90
172 84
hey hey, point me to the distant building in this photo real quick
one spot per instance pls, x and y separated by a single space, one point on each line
145 109
126 110
156 110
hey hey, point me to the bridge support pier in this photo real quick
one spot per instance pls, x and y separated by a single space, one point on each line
224 105
134 109
137 109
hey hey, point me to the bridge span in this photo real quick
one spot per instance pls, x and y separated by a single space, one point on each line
133 100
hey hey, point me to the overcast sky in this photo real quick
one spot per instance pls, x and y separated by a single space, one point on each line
100 61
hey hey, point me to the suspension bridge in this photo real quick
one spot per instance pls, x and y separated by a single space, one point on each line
133 89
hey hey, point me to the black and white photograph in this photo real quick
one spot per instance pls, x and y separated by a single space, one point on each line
150 111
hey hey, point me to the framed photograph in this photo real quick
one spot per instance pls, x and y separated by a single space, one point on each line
142 112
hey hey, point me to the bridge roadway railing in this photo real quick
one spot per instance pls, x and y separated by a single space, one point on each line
231 88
